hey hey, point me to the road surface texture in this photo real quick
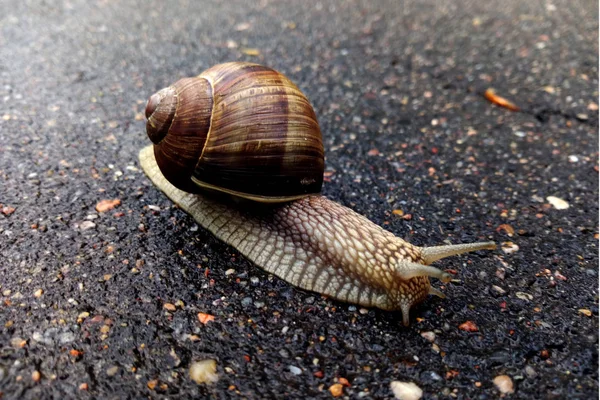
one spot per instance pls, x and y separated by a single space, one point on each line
119 303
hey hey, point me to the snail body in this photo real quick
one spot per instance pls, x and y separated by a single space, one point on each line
260 117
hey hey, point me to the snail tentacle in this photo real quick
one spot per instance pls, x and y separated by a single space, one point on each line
435 253
436 292
407 270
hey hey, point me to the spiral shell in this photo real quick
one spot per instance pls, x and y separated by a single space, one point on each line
239 128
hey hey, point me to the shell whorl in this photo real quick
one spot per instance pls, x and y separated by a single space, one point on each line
240 128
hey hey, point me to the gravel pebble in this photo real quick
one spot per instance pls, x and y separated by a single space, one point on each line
204 371
406 390
504 384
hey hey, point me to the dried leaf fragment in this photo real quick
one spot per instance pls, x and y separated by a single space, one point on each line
344 382
106 205
251 52
492 97
506 228
398 212
75 353
585 312
205 318
468 326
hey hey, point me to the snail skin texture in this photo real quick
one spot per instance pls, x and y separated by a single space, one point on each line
304 238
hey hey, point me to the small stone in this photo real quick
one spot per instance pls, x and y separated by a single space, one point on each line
504 384
6 210
498 289
169 307
251 51
66 337
406 390
36 376
107 205
501 273
112 371
585 312
246 301
336 390
18 342
243 26
83 386
530 372
85 225
468 326
557 202
229 272
573 158
429 336
295 370
524 296
509 247
38 293
153 207
204 371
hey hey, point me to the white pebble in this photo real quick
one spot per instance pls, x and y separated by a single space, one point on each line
85 225
557 202
504 384
204 371
294 370
429 336
406 390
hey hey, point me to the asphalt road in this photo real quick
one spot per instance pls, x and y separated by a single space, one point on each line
105 304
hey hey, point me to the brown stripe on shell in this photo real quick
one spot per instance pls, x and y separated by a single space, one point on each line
257 144
178 152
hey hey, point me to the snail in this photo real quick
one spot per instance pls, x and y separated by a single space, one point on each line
244 131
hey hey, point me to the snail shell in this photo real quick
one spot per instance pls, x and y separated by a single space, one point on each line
240 128
204 128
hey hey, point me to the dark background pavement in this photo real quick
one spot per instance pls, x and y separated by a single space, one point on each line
397 87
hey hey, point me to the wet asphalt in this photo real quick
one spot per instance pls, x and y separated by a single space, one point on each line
105 304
